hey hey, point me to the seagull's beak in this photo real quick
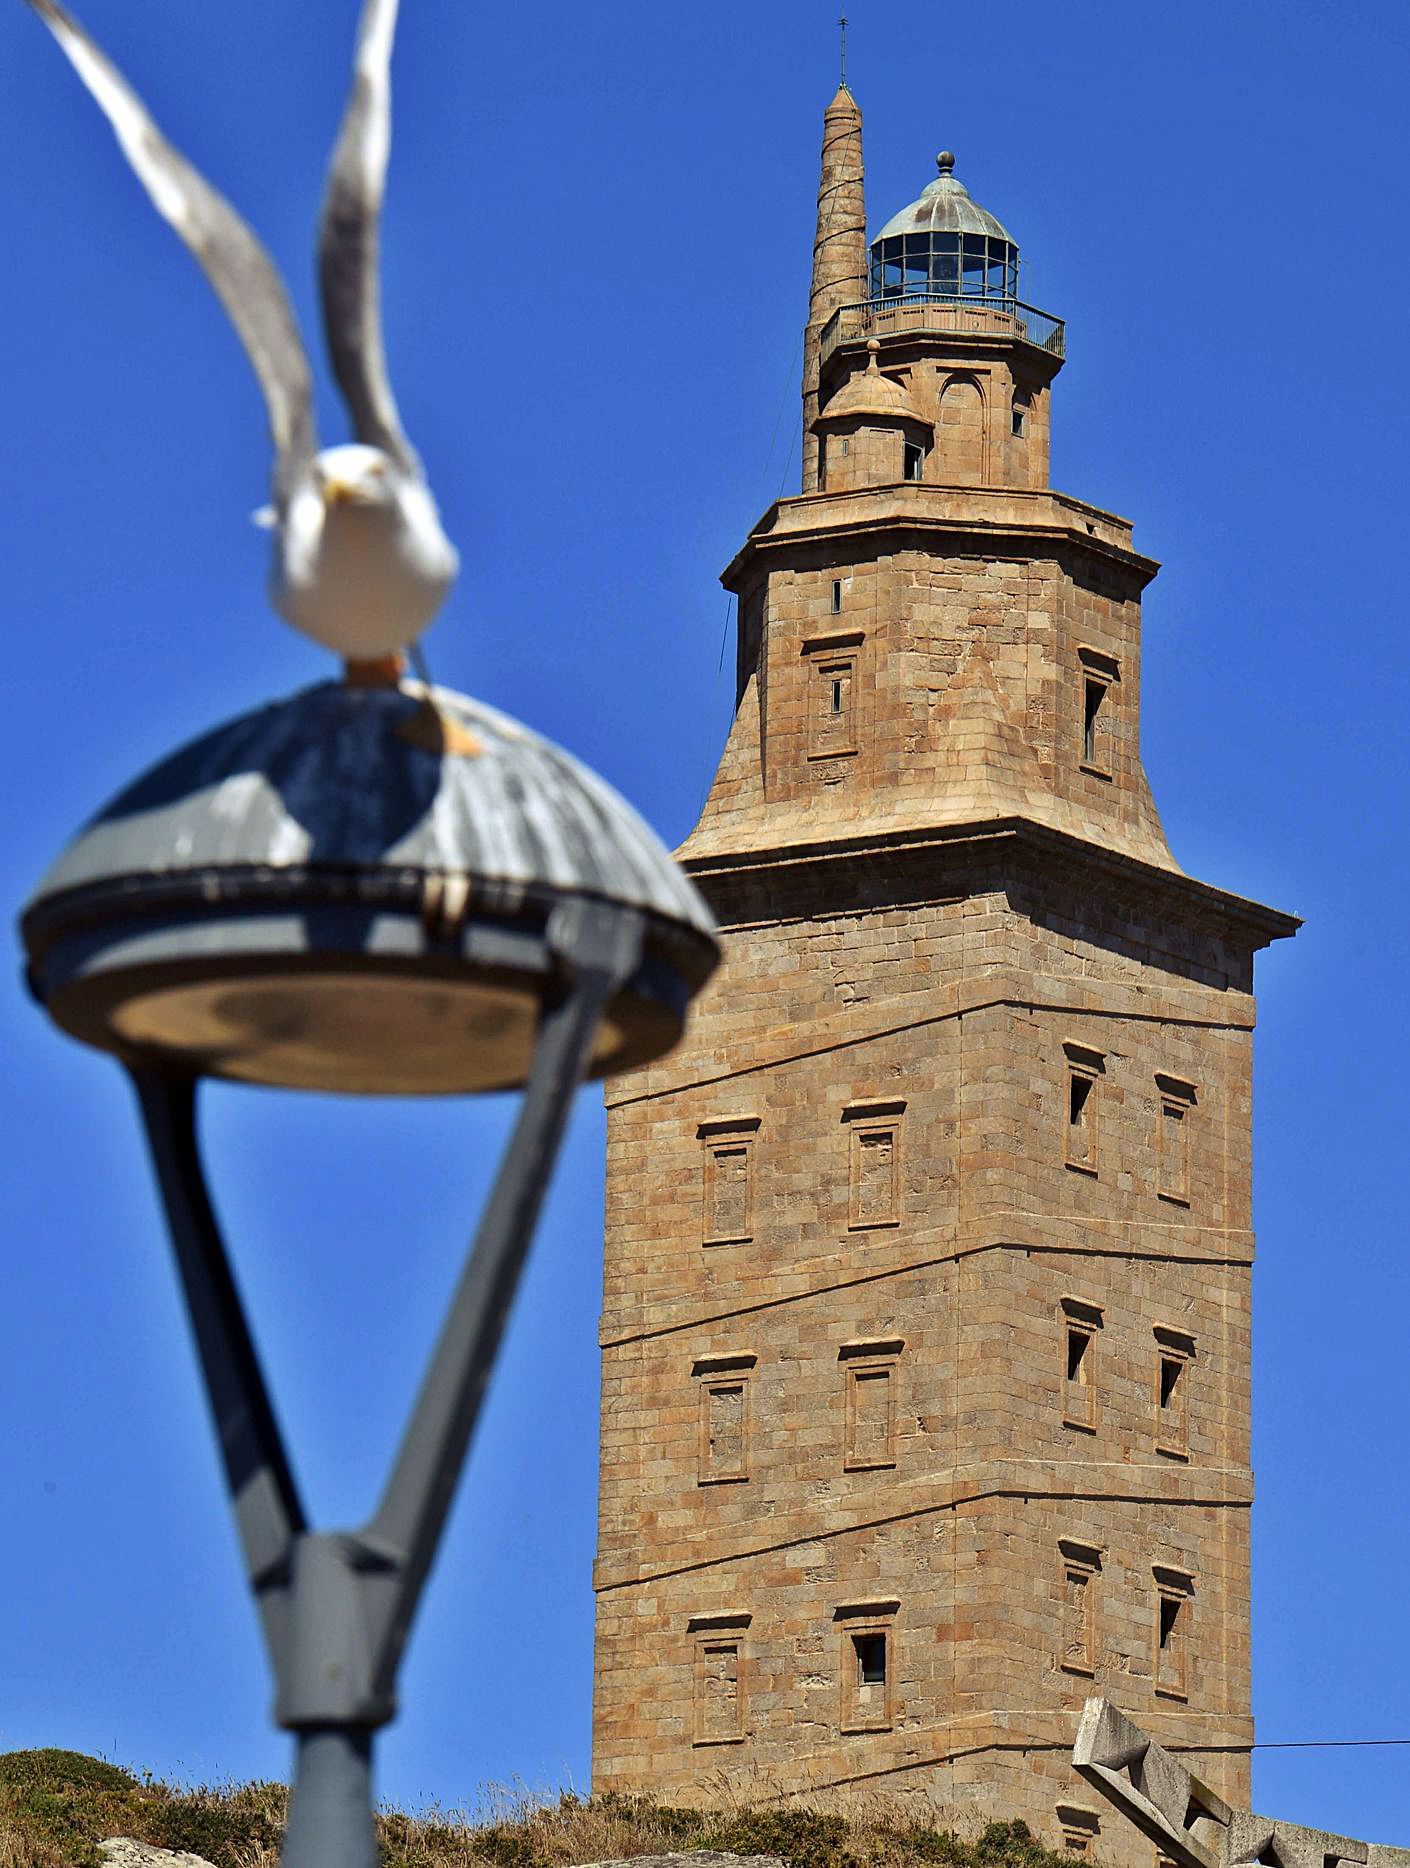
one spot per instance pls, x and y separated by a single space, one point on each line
339 493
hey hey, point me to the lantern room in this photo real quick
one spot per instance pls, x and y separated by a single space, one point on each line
944 246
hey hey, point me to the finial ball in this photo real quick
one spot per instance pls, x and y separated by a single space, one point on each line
945 162
873 345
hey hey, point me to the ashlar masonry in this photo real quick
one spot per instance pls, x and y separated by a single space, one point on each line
926 1335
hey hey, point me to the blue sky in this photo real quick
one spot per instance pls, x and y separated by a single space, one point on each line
597 243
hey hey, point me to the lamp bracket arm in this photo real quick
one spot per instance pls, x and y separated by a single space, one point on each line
598 948
268 1512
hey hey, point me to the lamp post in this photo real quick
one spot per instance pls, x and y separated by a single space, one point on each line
377 889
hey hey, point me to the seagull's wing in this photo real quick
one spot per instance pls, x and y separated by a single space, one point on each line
349 242
242 273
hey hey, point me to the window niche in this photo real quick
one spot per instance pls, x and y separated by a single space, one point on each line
870 1376
868 1665
873 1164
831 664
1085 1070
1081 1328
723 1382
1177 1107
1100 677
1080 1828
1175 1354
728 1176
1174 1611
719 1676
1081 1569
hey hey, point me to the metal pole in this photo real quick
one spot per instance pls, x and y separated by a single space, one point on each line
330 1810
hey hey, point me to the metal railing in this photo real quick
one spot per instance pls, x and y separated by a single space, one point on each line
935 311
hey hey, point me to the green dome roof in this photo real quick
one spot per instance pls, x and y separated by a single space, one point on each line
945 207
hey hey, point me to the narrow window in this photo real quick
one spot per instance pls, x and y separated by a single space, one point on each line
719 1678
831 701
871 1659
1093 695
1080 1828
874 1172
868 1666
1174 1606
1175 1352
728 1196
822 464
1079 1091
724 1417
846 444
869 1383
1020 415
1177 1104
837 596
1085 1069
1100 674
1081 1566
1081 1324
915 461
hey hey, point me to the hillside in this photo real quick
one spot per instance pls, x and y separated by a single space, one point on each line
56 1806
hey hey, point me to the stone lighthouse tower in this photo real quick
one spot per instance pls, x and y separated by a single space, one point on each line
926 1335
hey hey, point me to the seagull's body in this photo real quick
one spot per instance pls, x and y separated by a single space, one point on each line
360 560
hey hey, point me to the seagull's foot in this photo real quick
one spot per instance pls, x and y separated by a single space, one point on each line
385 672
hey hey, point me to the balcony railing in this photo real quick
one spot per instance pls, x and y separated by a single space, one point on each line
931 311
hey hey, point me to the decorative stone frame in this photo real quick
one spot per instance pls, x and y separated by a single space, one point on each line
873 1126
1082 1129
718 1638
1080 1569
1174 1615
1081 1322
725 1141
866 1363
863 1708
1177 1106
1080 1827
1175 1355
1100 674
832 665
715 1376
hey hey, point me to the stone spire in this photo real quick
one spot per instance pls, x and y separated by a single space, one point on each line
839 251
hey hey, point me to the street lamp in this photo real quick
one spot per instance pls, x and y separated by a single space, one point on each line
385 889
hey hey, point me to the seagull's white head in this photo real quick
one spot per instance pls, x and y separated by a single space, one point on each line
357 476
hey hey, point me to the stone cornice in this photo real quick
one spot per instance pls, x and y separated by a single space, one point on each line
995 521
1185 900
903 1255
1183 1004
1040 1728
924 1494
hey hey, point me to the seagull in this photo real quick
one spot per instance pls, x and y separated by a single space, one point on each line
360 560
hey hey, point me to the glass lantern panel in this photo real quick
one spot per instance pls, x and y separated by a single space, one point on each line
974 264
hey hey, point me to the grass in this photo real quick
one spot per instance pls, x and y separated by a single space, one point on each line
56 1806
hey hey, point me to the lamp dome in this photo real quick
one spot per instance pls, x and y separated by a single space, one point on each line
351 889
